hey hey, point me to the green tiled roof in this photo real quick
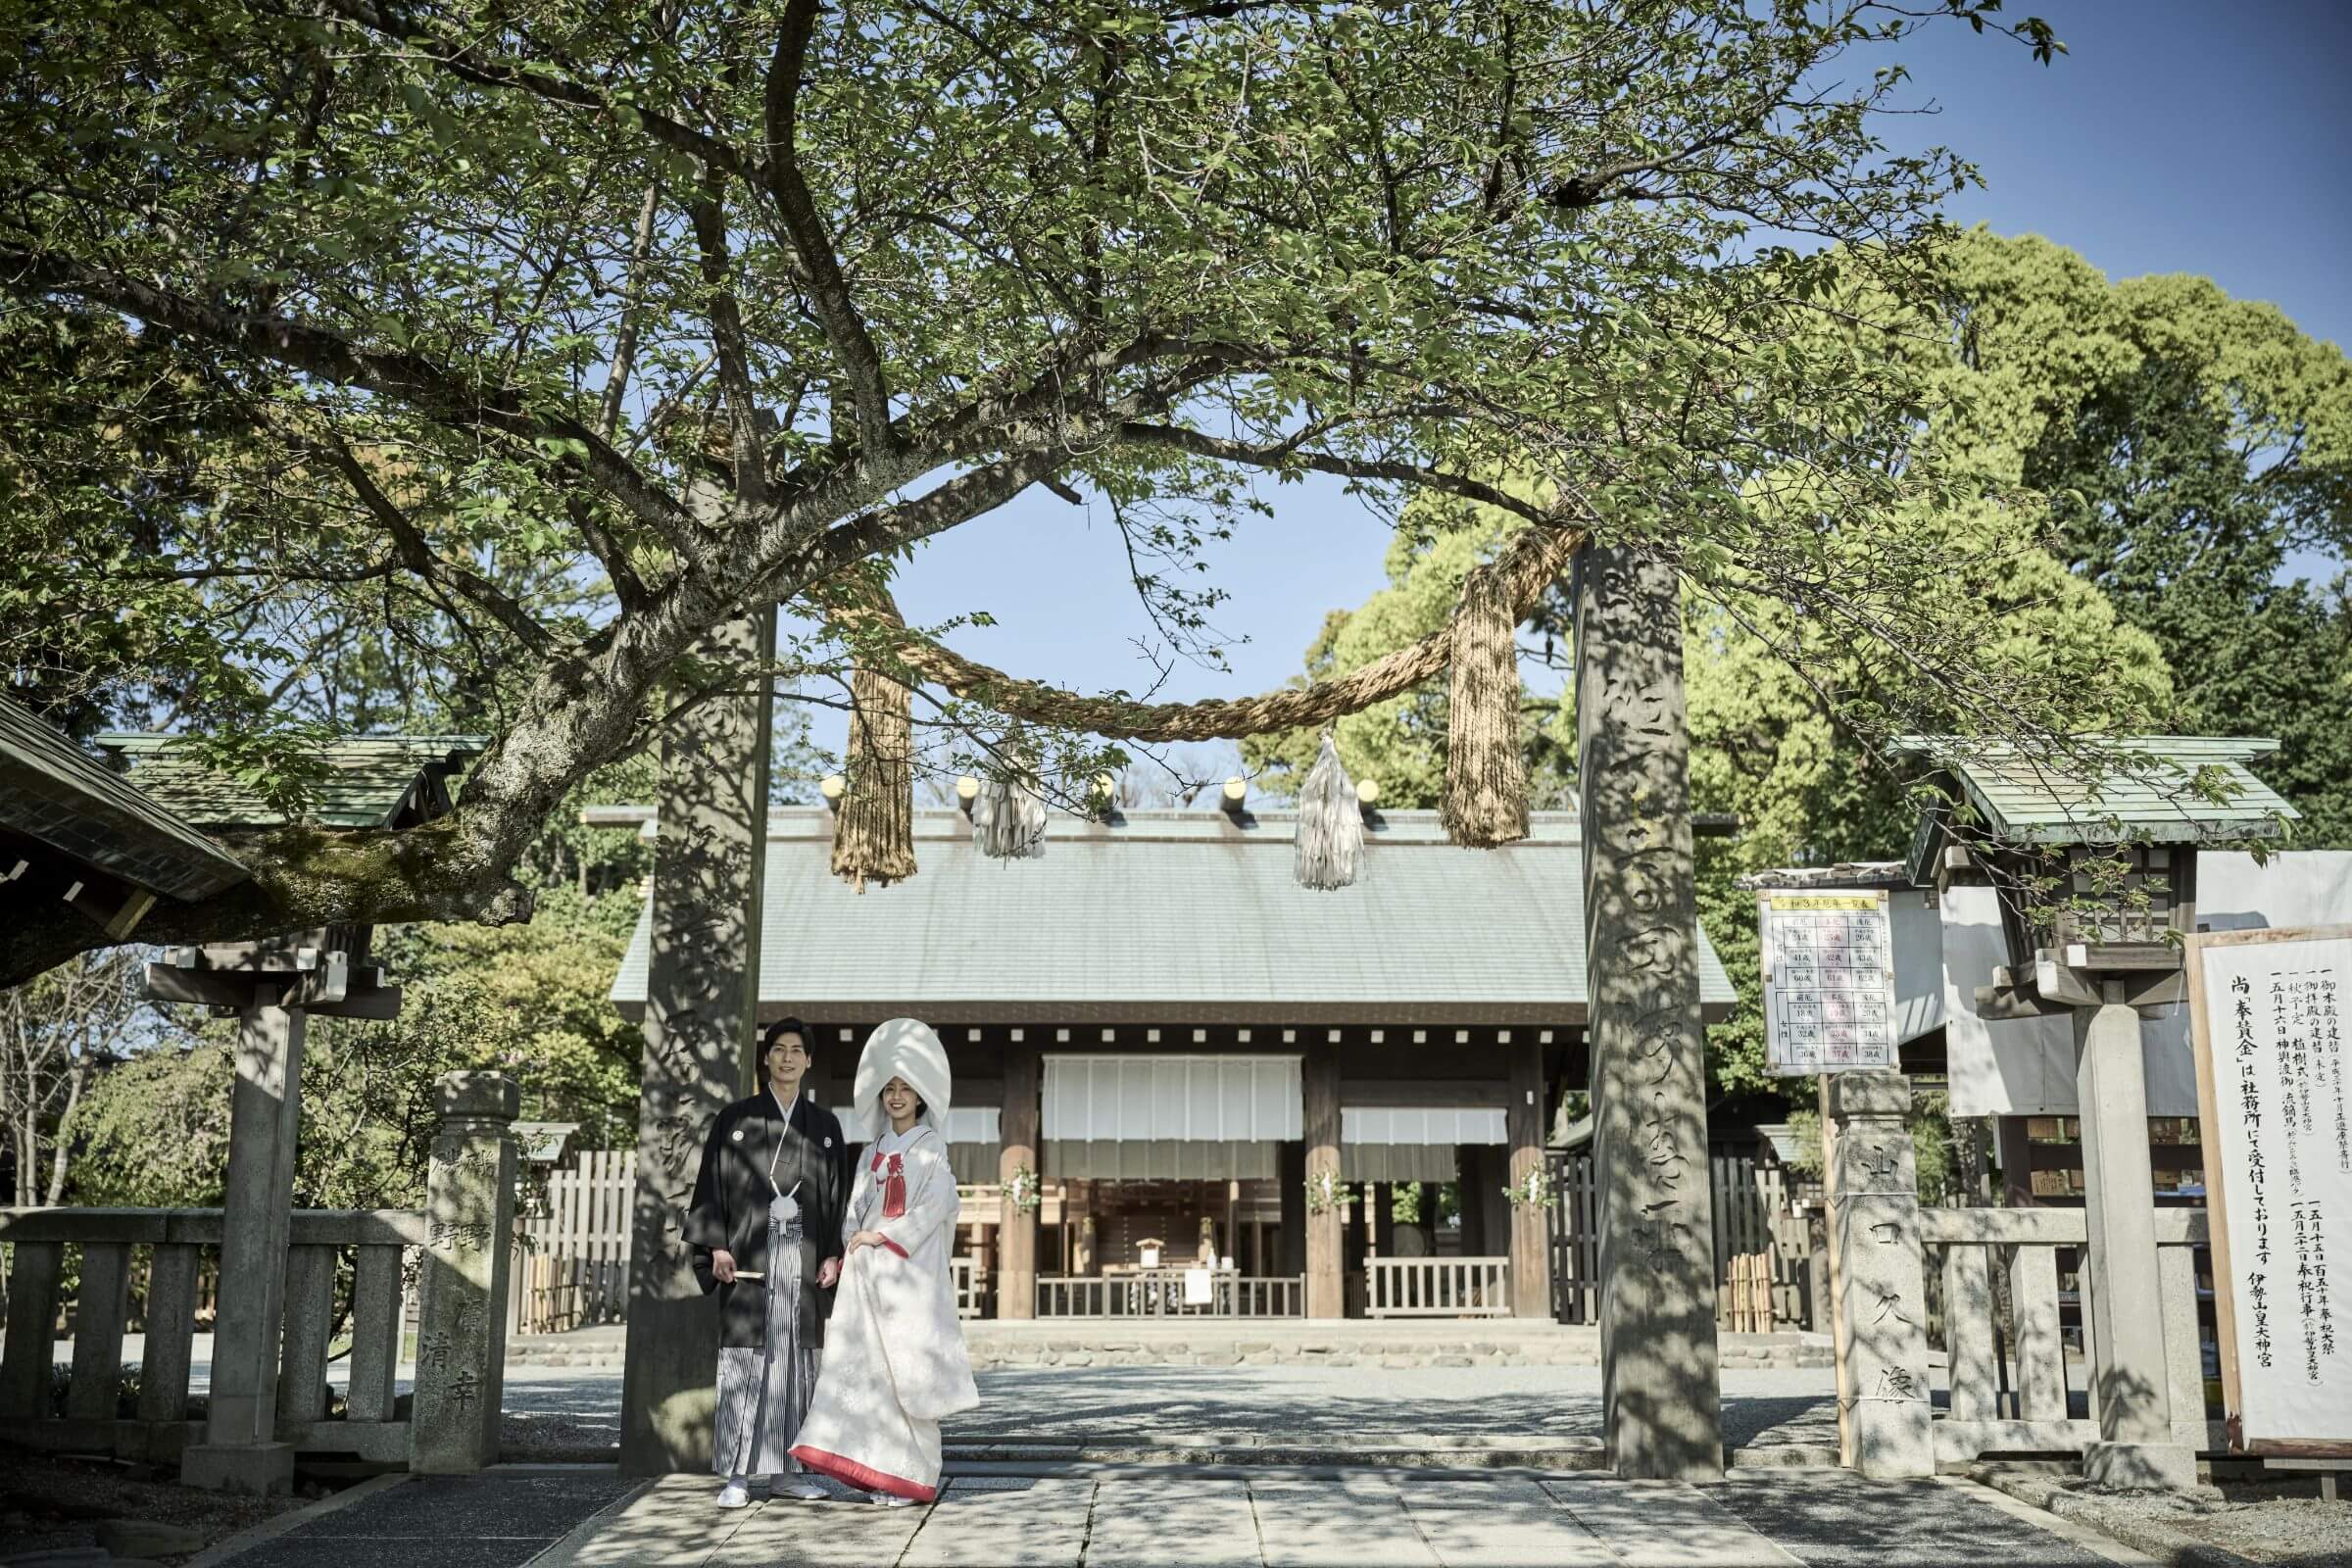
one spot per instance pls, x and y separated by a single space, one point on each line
2147 795
54 793
1180 917
371 780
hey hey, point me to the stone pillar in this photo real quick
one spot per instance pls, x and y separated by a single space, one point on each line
1881 1296
1662 1408
1018 1145
2133 1403
702 1004
240 1451
469 1226
1524 1121
1326 1241
1290 1167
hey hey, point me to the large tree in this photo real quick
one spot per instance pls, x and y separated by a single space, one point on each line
558 337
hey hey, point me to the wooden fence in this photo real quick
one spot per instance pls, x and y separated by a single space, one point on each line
574 1266
1761 1250
1437 1286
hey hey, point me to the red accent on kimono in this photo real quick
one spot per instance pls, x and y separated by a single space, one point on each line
894 1186
857 1475
894 1247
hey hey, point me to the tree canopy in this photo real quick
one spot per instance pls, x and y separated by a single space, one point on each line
2165 451
508 352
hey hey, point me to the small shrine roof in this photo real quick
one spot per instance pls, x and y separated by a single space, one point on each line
2148 791
58 796
371 780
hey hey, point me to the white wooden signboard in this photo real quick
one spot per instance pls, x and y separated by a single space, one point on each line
2269 1009
1829 980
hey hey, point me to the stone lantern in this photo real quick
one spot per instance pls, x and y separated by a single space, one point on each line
2097 877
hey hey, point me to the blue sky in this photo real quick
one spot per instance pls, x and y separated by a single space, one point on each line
2209 136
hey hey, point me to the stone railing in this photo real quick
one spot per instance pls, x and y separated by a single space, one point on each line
462 1244
2023 1244
1162 1292
1437 1286
375 1241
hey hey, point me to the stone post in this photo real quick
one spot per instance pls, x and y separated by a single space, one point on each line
470 1229
1325 1239
1524 1121
1882 1299
1661 1403
702 1005
1017 1142
240 1451
2131 1399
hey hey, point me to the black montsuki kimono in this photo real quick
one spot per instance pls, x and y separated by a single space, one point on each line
731 1195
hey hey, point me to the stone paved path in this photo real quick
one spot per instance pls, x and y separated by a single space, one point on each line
1160 1515
577 1414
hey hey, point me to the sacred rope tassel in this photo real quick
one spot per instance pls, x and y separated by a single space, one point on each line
1331 823
1485 774
873 835
1009 819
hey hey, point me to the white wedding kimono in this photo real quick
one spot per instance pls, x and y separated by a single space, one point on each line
894 1363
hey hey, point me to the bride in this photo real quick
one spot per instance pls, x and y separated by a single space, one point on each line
894 1361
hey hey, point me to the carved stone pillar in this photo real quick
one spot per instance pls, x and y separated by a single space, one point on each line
702 1004
469 1228
1882 1277
1662 1406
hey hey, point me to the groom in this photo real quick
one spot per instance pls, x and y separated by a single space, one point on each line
766 1229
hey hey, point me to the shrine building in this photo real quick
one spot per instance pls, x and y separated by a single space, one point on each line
1162 1036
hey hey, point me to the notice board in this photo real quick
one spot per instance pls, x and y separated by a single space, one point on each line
1829 980
2268 1009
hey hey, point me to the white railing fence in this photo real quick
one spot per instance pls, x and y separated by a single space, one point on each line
1163 1292
1437 1286
175 1243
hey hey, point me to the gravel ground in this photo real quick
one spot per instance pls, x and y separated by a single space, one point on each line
2270 1521
556 1413
53 1503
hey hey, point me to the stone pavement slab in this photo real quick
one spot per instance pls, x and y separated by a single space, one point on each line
1042 1523
1846 1522
1174 1522
1665 1524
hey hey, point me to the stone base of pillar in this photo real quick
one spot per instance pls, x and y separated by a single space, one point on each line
2140 1466
1892 1440
258 1469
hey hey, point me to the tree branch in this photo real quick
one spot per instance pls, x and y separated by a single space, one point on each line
418 556
332 357
828 290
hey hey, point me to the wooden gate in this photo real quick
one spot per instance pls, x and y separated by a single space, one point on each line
1761 1248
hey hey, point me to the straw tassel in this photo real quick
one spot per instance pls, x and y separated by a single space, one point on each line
1331 823
873 835
1009 819
1485 772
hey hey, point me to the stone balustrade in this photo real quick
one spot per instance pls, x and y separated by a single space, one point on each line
2032 1417
174 1243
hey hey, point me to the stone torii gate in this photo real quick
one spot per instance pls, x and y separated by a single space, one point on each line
1658 1334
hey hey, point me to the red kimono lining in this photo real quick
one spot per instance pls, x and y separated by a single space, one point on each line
857 1475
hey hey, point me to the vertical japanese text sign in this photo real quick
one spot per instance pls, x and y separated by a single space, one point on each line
1829 980
2268 1015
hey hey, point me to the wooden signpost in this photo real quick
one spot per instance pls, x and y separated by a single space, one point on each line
2268 1017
